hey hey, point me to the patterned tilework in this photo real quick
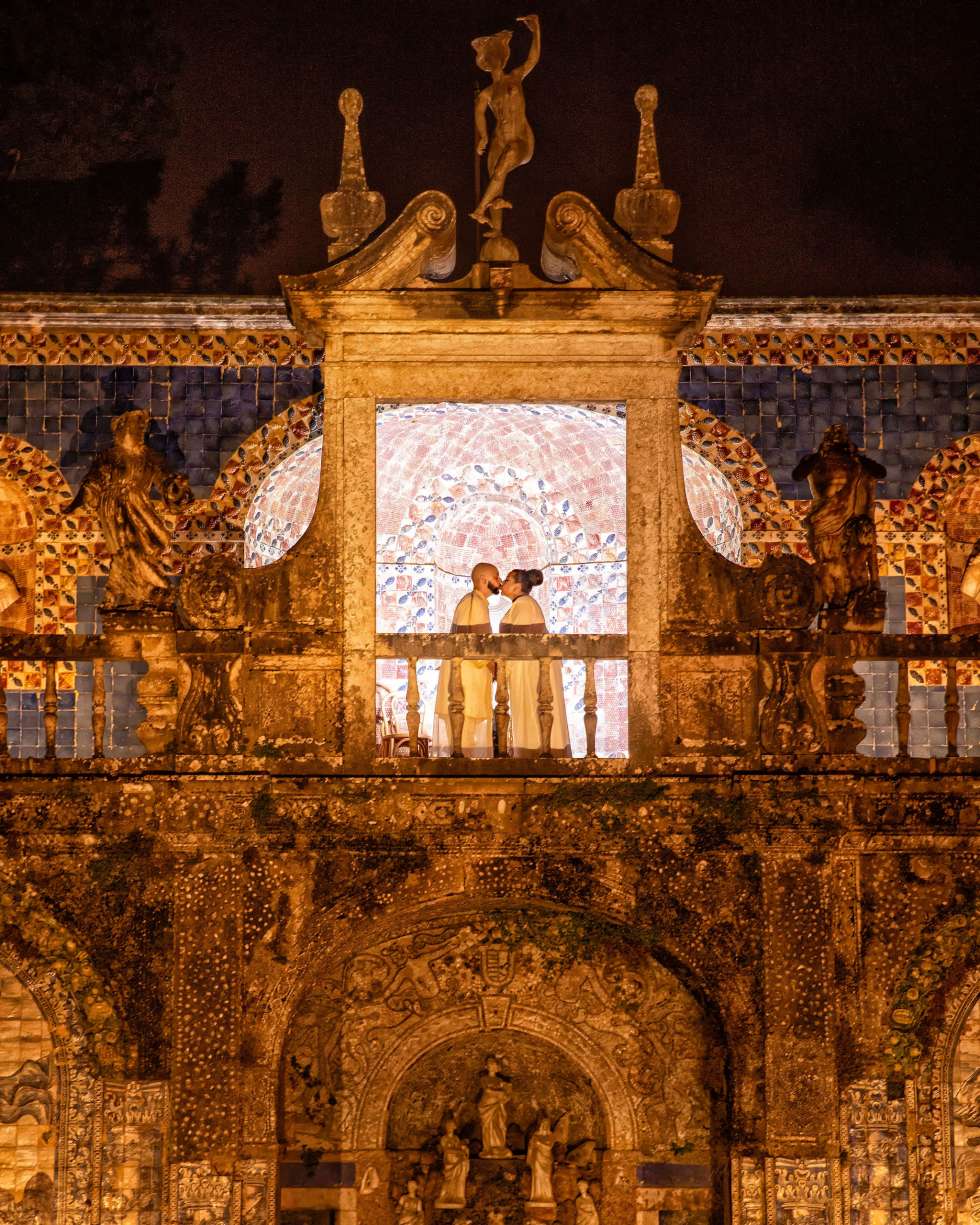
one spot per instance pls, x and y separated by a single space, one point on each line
27 1144
233 347
164 348
431 458
713 504
805 350
283 504
200 413
900 415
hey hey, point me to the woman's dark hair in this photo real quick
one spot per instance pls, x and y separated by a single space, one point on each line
529 579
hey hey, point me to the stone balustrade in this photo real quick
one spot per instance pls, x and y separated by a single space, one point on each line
501 649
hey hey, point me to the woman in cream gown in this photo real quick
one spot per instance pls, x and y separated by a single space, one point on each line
525 617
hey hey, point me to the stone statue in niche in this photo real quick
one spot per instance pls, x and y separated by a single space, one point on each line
513 141
586 1212
409 1210
120 489
455 1167
840 531
541 1157
495 1091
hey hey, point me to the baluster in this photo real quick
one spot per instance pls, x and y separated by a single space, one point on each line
98 708
4 750
412 716
501 711
456 705
50 707
952 710
545 705
903 708
590 717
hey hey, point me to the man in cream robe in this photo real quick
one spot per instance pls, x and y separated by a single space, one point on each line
472 616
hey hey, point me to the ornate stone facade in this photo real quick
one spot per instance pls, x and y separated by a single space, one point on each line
264 957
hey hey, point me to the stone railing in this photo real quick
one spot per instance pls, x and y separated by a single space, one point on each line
500 650
47 652
843 684
804 696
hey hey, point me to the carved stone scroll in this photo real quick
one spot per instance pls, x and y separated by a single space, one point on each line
580 242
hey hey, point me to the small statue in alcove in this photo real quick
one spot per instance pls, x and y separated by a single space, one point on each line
120 489
409 1211
586 1212
495 1091
455 1167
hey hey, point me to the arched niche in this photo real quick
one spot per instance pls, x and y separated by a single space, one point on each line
32 1089
402 1025
960 1073
961 518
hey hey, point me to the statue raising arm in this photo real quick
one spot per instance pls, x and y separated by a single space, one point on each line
512 144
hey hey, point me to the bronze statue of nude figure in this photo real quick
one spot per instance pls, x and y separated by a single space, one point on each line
513 141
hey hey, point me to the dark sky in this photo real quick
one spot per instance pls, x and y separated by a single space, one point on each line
819 148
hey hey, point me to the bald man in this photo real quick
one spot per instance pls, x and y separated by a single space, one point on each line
472 616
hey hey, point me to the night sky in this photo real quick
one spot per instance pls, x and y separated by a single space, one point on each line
819 148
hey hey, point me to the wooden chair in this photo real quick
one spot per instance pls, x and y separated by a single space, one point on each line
392 740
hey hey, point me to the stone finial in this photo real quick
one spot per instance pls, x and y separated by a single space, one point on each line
350 213
648 210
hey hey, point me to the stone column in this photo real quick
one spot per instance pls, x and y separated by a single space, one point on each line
660 551
802 1119
358 554
207 1013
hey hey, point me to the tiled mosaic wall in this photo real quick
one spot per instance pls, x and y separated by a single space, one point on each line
899 415
200 413
228 426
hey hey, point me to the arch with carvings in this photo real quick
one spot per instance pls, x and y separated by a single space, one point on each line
85 1032
325 943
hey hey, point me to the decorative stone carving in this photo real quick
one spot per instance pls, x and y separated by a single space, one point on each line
640 1032
119 490
789 721
540 1160
419 243
211 718
410 1206
648 210
351 213
586 1212
970 582
210 594
844 693
513 141
779 594
580 243
840 531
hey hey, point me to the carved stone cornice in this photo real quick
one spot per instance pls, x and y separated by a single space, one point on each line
134 313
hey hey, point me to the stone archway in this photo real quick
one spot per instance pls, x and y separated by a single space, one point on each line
620 1025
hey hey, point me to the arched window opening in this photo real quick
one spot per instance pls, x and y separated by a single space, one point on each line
522 485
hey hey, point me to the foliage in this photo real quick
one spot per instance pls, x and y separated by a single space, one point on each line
83 84
84 128
229 223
